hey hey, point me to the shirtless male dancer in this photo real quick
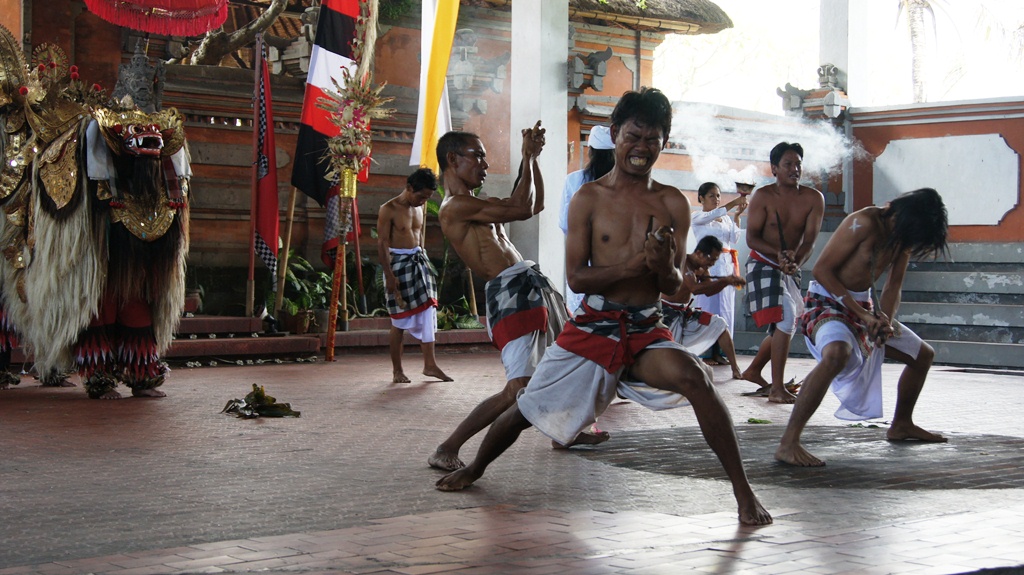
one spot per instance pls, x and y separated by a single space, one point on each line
783 221
409 284
623 271
524 310
695 329
849 336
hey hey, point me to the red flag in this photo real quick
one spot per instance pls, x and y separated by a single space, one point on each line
332 51
267 216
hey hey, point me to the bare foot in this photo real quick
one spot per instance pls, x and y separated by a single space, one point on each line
797 455
112 394
151 392
457 480
584 438
752 512
721 360
909 431
781 396
736 373
711 362
58 381
436 372
399 377
754 378
445 461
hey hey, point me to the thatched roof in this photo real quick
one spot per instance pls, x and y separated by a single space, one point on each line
686 16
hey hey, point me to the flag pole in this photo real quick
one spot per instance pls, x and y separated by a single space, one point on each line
359 261
346 199
282 261
250 289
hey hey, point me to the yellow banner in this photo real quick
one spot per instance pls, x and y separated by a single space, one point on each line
447 16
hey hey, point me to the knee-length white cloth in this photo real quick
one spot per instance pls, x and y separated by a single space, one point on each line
703 224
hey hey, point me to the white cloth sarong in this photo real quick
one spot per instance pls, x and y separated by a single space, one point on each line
695 337
568 392
859 385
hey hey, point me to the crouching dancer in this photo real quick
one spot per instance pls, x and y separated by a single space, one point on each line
850 337
615 342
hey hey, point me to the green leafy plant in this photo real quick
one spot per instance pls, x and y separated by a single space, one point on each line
305 288
391 10
457 316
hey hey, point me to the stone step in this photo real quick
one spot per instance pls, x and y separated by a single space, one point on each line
378 339
965 353
950 314
206 324
981 334
267 346
953 281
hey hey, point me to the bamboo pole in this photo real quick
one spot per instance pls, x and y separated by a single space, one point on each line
346 207
337 290
471 294
282 260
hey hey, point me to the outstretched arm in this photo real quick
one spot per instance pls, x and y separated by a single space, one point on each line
706 286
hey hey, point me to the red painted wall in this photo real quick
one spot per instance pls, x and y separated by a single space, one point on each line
969 118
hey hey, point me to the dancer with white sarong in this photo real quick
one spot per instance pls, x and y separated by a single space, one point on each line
524 310
411 292
695 329
850 336
615 343
714 219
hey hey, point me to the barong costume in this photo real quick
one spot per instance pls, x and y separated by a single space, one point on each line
693 328
769 291
589 364
95 222
859 385
525 313
418 289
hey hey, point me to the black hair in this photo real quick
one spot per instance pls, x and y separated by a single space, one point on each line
920 224
422 179
452 142
781 148
705 188
649 107
708 245
600 163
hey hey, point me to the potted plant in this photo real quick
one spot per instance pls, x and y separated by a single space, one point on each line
305 290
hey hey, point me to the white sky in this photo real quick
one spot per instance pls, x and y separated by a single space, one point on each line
976 54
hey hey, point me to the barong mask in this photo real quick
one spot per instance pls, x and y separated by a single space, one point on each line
137 133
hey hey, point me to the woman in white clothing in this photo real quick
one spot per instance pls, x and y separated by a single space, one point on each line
715 220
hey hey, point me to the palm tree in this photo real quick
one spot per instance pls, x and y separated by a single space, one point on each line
916 10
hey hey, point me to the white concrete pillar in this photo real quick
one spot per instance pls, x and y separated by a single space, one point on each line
540 50
839 22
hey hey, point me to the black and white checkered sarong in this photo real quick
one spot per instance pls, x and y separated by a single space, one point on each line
416 283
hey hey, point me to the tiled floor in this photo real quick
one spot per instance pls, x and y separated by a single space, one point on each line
173 486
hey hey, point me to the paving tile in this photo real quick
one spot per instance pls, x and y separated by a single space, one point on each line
194 486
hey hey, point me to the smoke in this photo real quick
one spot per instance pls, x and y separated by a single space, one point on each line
727 145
